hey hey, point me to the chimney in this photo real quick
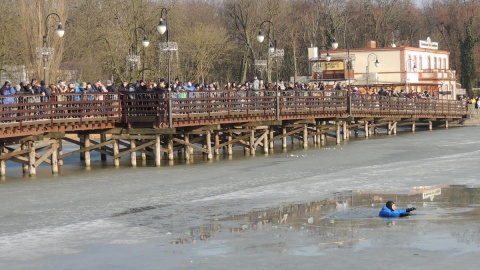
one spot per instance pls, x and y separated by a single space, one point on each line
371 44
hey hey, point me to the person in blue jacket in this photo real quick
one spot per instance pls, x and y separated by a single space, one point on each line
390 210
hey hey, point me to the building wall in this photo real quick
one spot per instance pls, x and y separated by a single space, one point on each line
387 71
396 69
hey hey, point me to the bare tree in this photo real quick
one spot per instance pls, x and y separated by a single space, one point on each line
217 39
243 23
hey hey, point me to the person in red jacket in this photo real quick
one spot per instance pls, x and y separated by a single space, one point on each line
390 210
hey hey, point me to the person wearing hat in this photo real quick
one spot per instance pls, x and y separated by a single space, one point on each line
110 86
256 84
19 90
83 86
5 90
390 210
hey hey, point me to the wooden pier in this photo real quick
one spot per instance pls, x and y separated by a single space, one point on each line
154 125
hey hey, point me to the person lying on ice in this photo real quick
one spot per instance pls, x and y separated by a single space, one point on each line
389 210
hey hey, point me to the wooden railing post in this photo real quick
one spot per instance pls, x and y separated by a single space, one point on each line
3 162
124 109
170 119
349 105
277 100
160 104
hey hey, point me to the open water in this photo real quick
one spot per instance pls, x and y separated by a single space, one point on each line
299 209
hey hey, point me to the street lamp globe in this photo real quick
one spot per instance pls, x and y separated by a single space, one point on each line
377 63
334 44
271 48
162 27
260 36
145 42
328 57
60 31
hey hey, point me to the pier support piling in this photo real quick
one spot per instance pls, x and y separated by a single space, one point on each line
338 133
133 154
116 152
305 136
209 145
252 142
265 141
86 145
170 147
271 138
24 146
230 144
54 157
217 143
187 147
158 150
32 170
143 154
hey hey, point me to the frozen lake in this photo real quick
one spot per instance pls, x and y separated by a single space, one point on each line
300 209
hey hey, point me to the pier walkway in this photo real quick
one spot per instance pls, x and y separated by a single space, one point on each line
33 128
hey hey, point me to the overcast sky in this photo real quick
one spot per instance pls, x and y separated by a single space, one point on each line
420 2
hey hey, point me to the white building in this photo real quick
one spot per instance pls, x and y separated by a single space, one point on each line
413 69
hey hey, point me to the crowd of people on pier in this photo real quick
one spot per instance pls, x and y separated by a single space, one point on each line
187 89
39 87
148 98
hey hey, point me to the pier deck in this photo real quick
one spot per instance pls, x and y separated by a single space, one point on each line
33 128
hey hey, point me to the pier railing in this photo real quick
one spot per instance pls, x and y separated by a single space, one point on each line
27 108
398 106
191 108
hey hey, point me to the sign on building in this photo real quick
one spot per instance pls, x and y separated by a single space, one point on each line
428 44
337 65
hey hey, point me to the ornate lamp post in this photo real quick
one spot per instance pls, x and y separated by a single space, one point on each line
377 63
45 51
133 58
167 47
272 47
333 45
276 54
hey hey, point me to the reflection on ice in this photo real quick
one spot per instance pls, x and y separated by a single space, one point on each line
195 234
350 220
